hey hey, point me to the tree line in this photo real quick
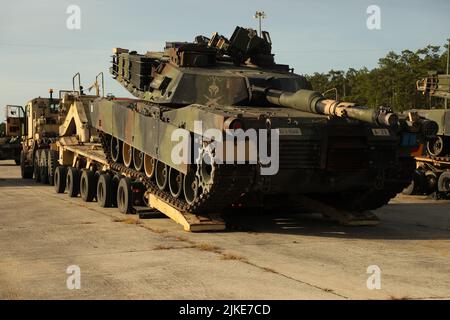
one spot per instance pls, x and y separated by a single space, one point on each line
392 83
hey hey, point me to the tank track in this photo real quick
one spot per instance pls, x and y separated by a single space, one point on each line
372 198
230 183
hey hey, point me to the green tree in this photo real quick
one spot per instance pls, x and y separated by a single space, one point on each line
391 83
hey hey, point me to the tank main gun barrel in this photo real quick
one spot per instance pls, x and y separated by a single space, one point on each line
314 102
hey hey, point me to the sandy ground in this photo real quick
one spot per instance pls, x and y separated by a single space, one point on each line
274 256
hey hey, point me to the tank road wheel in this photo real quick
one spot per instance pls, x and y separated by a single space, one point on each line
127 154
25 170
161 174
190 187
175 182
444 182
116 149
36 171
124 195
104 191
43 166
88 186
73 182
435 147
52 163
60 179
149 166
138 159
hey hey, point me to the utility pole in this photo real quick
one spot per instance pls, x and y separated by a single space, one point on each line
260 15
448 68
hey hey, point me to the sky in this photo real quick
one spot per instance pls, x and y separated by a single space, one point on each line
38 51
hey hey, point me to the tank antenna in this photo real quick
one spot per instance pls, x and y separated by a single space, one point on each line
260 15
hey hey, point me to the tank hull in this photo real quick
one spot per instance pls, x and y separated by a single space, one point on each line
318 155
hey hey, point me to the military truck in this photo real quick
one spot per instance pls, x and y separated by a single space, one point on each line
10 139
256 133
433 160
44 117
42 125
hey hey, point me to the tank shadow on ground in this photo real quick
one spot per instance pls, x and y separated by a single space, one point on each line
312 224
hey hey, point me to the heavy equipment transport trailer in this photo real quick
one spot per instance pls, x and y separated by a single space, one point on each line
84 170
92 177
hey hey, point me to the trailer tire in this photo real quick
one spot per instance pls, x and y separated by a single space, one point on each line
431 182
104 191
36 171
420 182
60 179
25 170
124 195
88 186
444 182
43 166
409 190
115 185
73 182
52 163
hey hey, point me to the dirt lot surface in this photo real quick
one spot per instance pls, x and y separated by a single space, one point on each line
275 256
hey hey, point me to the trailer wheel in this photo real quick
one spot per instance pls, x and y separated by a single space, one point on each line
124 195
88 185
25 170
436 146
105 191
52 158
409 190
431 181
73 182
115 179
60 179
36 171
444 182
43 166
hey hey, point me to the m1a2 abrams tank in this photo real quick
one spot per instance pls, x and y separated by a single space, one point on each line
347 156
